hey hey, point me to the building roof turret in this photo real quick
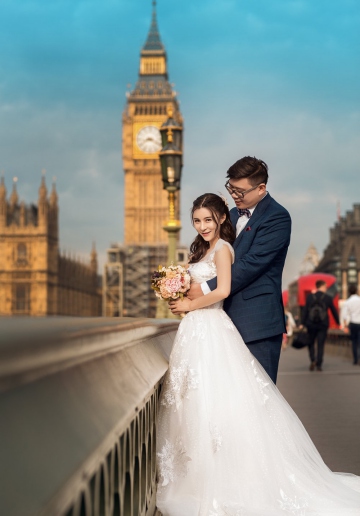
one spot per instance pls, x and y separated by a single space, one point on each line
93 251
42 189
14 198
53 195
93 258
2 189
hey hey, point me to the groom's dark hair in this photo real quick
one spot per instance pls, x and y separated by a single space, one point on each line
253 169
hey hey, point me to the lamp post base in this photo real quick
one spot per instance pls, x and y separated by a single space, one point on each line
172 227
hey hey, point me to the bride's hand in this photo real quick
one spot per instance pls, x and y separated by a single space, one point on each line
179 306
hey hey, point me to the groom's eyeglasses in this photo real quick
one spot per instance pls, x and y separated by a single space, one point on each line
237 192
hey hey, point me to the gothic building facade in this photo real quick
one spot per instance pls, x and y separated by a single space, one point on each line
147 107
35 279
342 255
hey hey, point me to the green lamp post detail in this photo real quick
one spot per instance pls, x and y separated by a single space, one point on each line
171 164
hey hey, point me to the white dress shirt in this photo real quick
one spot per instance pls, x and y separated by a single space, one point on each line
350 310
242 221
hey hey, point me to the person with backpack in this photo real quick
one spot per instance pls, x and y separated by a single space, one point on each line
316 319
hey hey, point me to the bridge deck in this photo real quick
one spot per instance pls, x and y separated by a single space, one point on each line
328 404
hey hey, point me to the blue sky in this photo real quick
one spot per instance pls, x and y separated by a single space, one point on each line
279 80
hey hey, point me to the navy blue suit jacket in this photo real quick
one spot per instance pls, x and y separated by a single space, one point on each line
255 303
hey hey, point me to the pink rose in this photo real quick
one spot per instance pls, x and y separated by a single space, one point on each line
173 285
164 292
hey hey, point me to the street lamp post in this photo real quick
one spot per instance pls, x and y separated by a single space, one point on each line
171 164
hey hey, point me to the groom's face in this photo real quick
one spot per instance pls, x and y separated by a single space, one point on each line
252 194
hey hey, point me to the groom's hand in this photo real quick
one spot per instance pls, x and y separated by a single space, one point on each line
195 291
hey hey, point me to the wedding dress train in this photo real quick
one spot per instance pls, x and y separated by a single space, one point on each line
228 444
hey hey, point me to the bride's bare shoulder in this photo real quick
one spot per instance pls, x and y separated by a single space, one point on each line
222 244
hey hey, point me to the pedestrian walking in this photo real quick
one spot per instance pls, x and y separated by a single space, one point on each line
350 318
316 319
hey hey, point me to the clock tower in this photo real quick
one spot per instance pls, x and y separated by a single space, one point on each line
147 108
151 103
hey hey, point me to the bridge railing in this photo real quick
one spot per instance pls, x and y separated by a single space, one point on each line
78 407
338 343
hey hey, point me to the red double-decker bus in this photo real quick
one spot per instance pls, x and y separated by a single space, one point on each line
305 285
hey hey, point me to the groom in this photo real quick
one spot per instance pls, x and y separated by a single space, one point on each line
262 238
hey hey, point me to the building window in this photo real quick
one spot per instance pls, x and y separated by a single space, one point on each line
352 270
22 299
21 258
21 251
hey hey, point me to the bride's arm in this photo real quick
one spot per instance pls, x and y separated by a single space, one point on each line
223 261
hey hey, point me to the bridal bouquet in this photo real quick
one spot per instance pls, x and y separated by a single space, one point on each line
170 282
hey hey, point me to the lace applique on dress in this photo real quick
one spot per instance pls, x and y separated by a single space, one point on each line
227 321
226 510
199 330
296 506
172 462
182 338
179 382
261 382
216 438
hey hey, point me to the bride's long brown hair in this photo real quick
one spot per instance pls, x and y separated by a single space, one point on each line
217 207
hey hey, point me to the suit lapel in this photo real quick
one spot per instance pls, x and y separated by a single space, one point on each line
234 217
259 210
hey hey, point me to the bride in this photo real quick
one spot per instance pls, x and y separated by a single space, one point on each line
228 444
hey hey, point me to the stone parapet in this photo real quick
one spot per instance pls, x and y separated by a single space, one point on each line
78 403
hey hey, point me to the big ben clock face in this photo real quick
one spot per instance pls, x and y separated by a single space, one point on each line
148 139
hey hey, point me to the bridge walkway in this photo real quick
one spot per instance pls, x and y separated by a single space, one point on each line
328 404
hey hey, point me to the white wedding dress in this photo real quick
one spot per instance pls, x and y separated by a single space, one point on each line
228 444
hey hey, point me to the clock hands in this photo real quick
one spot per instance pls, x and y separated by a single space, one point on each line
149 139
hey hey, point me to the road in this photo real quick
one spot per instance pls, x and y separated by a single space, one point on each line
328 404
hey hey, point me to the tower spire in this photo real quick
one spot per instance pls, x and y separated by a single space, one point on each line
153 42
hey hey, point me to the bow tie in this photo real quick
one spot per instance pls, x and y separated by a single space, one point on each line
244 212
